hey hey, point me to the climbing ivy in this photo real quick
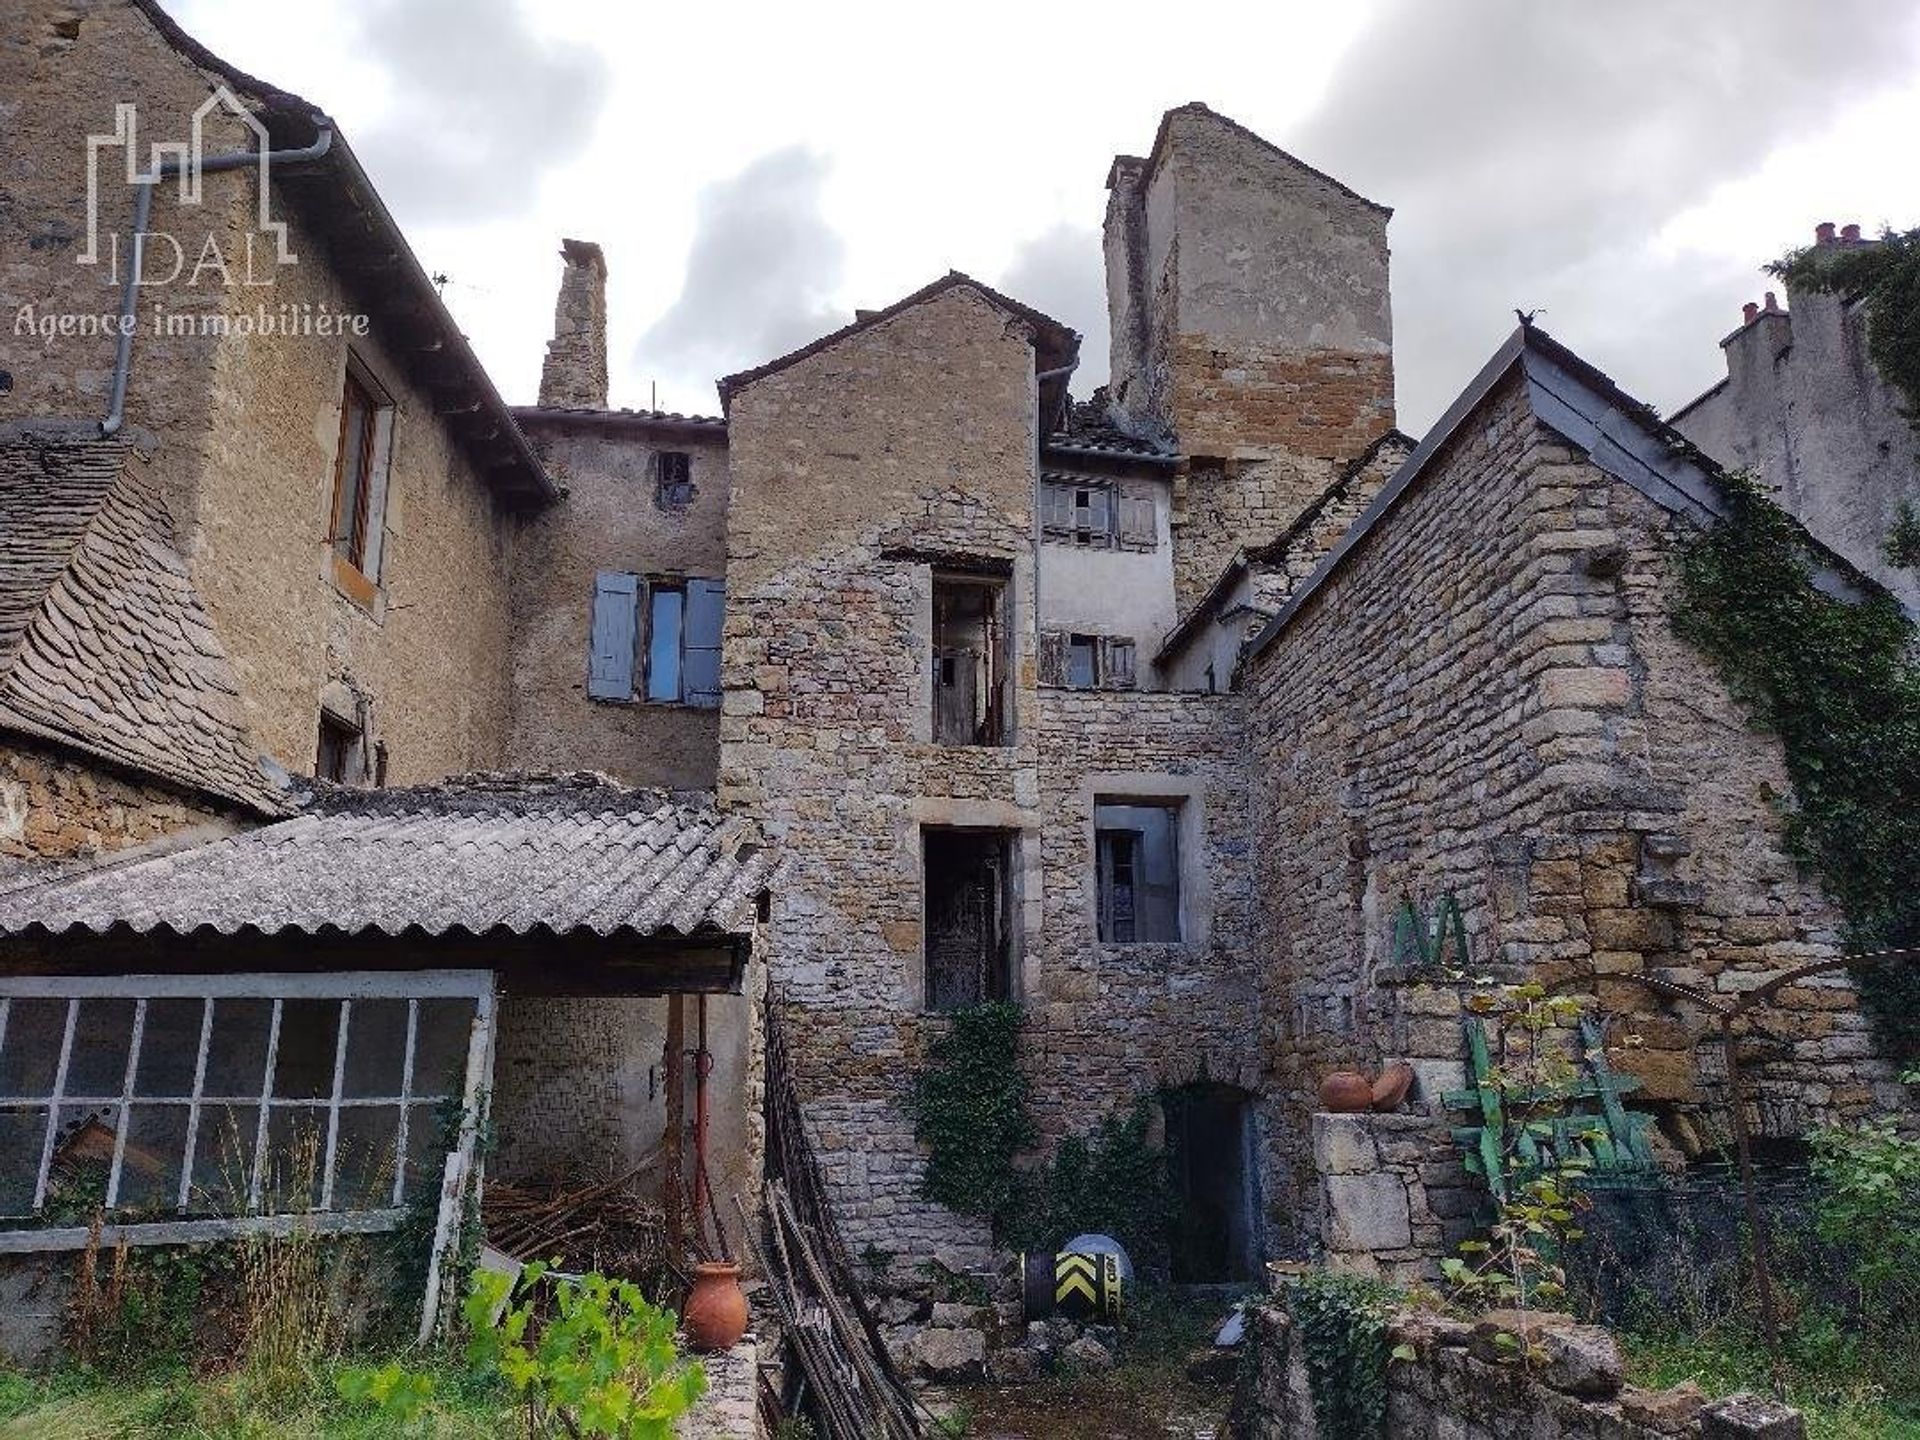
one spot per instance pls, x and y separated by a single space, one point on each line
969 1107
1342 1324
1838 683
1886 277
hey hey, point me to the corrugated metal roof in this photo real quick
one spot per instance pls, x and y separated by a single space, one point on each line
491 854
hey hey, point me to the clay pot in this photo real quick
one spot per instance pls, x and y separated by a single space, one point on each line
1346 1092
1390 1086
715 1315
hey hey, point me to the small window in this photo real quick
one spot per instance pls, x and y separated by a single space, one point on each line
1137 856
1087 662
673 484
969 665
340 757
656 639
360 472
1083 662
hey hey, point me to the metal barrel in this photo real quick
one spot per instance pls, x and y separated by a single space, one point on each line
1072 1284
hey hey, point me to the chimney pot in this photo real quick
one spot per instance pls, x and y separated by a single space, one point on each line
1749 312
1773 303
1850 234
1823 233
575 373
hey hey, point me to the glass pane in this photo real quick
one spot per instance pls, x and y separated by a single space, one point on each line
376 1048
22 1132
237 1055
150 1168
169 1047
1080 663
663 645
296 1151
363 1157
32 1050
303 1066
440 1058
100 1040
223 1157
82 1159
354 449
427 1146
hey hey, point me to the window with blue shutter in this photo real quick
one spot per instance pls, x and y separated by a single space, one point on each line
705 615
610 651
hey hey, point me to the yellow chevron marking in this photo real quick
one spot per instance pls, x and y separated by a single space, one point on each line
1071 1285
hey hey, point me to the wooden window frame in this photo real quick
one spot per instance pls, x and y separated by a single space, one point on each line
350 538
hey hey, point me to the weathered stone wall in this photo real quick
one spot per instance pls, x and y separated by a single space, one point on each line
55 806
1394 1195
575 371
1462 1384
247 427
1113 1022
914 437
1487 699
609 520
1805 408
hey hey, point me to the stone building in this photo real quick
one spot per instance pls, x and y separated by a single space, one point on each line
1804 408
911 682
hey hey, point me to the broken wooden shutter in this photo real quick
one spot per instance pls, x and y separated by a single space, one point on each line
1137 528
1053 657
1099 516
616 601
706 614
1056 508
1116 663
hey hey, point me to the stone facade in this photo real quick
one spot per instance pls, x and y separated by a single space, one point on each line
1805 408
1487 700
575 373
612 517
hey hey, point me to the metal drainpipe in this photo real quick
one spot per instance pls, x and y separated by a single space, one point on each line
142 209
702 1069
1040 378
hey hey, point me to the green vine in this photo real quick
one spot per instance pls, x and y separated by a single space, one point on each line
1837 682
1342 1321
969 1107
1886 277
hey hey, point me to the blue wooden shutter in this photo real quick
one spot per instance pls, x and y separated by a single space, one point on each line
616 609
706 613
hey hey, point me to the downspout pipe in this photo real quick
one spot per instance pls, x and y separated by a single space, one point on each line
142 210
1063 372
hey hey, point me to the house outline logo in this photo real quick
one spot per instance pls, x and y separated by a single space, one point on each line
184 161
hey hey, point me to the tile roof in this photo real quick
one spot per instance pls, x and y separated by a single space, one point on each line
535 414
475 856
1093 428
105 645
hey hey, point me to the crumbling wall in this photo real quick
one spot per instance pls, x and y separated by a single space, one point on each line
1487 699
56 806
609 520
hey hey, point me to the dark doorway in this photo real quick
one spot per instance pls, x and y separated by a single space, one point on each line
1210 1147
968 917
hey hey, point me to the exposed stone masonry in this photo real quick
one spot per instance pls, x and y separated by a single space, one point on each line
575 372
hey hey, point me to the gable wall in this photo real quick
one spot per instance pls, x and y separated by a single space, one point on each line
1474 703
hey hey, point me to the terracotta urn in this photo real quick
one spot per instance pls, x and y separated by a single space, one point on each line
715 1315
1390 1086
1346 1092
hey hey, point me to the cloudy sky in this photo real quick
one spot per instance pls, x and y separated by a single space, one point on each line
755 171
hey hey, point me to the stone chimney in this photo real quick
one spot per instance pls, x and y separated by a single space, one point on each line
575 373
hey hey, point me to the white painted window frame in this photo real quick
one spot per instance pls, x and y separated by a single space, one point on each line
460 1165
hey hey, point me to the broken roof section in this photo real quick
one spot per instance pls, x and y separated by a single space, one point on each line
504 857
1056 347
367 248
1579 402
105 645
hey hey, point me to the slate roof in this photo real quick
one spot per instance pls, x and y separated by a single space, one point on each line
475 856
105 645
1091 429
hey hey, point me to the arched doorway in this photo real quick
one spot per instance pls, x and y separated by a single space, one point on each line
1211 1149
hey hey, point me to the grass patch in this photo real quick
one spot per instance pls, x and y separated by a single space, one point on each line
76 1404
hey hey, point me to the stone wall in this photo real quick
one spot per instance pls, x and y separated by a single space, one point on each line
1462 1384
1487 699
575 371
245 428
609 520
1394 1195
852 469
55 806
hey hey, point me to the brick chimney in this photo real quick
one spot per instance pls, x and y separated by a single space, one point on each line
575 373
